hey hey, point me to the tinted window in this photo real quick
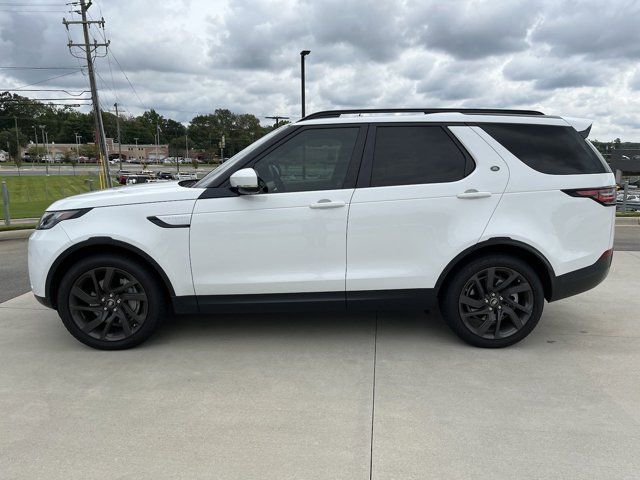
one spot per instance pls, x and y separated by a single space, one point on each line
413 155
315 159
547 148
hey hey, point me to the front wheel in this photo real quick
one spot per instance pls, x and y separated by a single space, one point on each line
494 301
110 302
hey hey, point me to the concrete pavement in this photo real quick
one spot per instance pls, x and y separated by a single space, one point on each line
296 396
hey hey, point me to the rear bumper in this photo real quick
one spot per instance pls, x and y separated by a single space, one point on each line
582 279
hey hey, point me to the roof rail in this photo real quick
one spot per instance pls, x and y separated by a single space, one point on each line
426 111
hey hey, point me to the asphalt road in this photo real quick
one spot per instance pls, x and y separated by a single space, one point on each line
14 279
94 169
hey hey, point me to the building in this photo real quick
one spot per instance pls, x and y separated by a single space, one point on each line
149 152
625 162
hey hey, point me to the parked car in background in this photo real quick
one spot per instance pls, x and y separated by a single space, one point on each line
485 213
165 176
187 176
632 203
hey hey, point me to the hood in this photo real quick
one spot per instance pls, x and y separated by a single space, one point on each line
127 195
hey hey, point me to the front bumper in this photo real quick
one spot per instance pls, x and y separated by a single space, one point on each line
44 247
43 301
582 279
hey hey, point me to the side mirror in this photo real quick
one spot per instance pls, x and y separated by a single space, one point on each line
245 181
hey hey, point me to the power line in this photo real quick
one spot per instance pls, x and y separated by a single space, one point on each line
43 90
42 99
34 11
38 68
47 80
31 4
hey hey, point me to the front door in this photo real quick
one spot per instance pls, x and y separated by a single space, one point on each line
291 237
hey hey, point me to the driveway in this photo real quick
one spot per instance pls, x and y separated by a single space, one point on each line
383 396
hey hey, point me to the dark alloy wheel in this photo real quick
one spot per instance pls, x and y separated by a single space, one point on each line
494 301
110 302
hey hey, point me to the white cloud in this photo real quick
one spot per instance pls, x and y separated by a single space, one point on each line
186 57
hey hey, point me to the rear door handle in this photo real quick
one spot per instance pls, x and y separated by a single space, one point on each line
326 203
473 193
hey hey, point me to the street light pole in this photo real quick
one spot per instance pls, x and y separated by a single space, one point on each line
35 130
77 147
157 140
303 54
118 133
137 153
186 145
46 160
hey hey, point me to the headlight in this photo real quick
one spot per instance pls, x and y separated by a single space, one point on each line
51 219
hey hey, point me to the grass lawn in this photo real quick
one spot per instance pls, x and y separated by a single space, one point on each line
29 196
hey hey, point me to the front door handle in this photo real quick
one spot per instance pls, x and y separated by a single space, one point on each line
326 203
473 193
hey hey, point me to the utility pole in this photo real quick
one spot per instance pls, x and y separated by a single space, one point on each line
89 49
222 145
118 128
277 118
137 154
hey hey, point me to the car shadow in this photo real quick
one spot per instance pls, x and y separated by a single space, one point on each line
303 325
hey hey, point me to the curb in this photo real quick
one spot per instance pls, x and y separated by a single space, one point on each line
627 220
15 234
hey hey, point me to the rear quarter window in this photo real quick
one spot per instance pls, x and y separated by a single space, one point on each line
550 149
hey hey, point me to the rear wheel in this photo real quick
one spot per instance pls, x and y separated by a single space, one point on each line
494 301
110 302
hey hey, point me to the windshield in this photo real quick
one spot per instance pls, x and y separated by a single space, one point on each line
214 174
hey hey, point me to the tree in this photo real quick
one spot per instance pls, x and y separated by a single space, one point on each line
8 138
71 158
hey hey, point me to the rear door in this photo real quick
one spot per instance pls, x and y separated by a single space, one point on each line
425 193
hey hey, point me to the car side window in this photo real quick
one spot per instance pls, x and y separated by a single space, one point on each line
315 159
549 149
409 155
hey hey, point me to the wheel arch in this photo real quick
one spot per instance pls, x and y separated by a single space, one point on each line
502 245
96 245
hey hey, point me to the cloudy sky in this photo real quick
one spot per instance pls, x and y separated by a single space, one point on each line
184 57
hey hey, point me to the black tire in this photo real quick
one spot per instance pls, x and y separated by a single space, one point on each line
111 302
493 301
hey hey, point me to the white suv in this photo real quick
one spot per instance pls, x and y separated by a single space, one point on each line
486 212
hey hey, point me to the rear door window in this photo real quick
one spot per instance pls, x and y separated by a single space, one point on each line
548 149
409 155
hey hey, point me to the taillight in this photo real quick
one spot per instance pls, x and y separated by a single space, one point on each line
603 195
